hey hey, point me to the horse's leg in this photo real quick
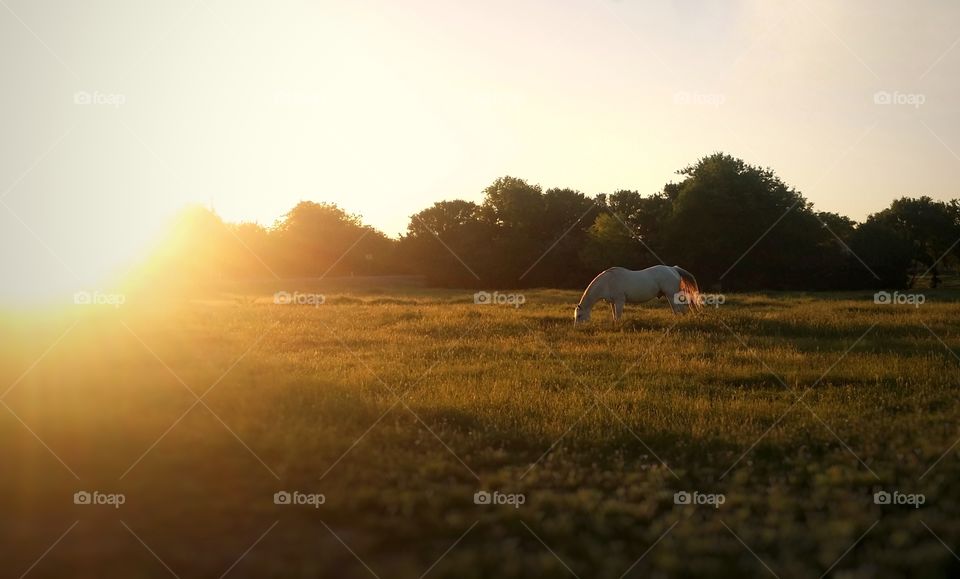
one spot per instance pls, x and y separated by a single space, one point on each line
684 307
672 300
613 310
618 309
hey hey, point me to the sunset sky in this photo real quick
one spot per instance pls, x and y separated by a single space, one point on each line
385 107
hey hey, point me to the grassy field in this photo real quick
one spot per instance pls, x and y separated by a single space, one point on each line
399 405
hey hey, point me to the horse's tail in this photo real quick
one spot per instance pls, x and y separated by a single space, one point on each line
689 288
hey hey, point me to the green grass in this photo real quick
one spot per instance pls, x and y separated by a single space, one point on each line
399 405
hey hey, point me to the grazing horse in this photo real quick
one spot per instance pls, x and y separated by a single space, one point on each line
618 286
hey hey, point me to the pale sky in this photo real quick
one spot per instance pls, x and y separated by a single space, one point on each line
385 107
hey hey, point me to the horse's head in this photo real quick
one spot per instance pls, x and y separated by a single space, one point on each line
580 315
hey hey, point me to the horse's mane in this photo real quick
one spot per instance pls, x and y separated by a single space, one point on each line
594 280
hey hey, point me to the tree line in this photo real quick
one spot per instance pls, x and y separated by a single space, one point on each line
734 225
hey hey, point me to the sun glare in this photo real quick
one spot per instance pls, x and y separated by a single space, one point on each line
47 267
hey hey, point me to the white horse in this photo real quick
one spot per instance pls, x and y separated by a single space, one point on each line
618 285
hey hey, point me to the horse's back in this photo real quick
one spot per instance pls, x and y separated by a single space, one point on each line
661 274
630 281
645 284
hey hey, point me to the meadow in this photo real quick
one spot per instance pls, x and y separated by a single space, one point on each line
781 414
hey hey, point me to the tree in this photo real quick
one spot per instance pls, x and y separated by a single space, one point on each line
610 244
514 208
840 226
318 239
932 228
193 252
251 252
644 217
442 235
562 231
444 217
518 236
886 251
741 225
725 220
